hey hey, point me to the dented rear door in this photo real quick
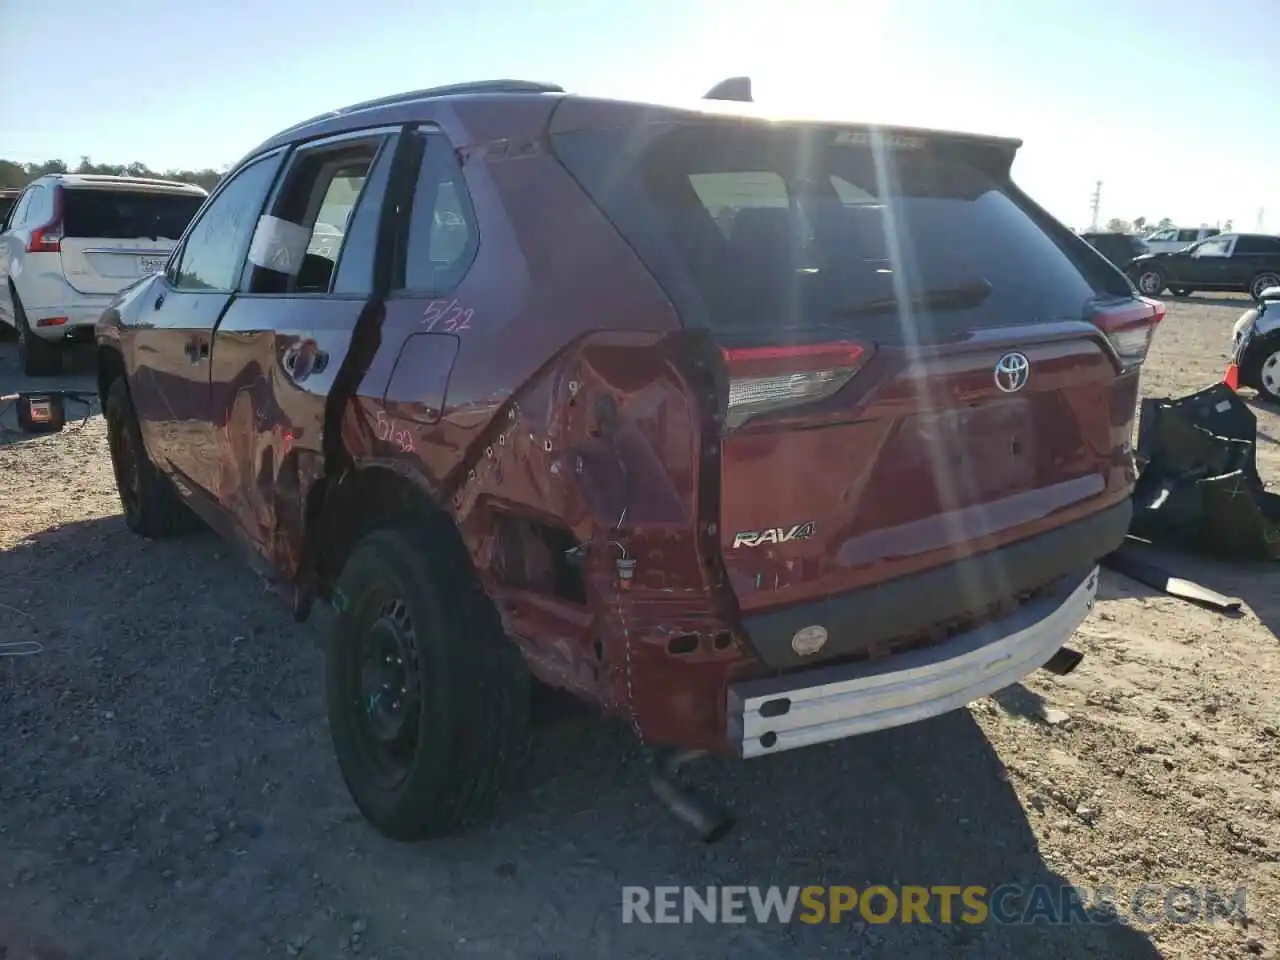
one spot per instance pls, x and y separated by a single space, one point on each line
280 348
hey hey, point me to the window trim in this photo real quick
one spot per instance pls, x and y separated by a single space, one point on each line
400 194
390 134
169 275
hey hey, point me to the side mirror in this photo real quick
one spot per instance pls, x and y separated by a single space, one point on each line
1271 293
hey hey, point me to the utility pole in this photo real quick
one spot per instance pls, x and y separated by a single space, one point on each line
1097 202
1261 218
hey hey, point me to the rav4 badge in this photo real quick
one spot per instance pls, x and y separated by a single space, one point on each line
809 640
758 538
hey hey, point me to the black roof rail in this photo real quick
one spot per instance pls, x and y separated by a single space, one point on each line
448 90
458 89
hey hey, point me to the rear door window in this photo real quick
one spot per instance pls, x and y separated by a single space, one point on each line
126 215
1217 247
319 195
778 233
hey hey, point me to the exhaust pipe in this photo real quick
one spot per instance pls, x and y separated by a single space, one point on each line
706 819
1064 661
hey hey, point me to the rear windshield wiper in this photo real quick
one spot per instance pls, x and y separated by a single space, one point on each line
943 298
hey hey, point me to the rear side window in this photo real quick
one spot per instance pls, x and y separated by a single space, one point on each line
40 210
126 215
764 231
1190 236
439 238
1258 245
20 211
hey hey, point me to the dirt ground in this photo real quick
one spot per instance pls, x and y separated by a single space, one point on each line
167 787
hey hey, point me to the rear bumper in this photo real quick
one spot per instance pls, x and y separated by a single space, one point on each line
779 713
862 619
84 312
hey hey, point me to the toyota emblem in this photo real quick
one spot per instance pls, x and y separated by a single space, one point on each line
1012 372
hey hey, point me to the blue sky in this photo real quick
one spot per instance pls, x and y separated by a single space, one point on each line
1173 105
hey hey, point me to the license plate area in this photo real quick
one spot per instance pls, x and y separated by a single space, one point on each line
978 452
150 265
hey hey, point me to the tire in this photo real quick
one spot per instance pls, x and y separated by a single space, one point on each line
1150 281
39 357
1268 278
1262 366
413 618
151 505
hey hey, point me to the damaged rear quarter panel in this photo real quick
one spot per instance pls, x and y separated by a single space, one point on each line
566 401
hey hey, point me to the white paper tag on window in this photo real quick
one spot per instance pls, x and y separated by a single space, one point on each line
279 245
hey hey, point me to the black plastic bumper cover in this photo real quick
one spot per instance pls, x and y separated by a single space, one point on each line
871 616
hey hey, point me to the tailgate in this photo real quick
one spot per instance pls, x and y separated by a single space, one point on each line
920 365
112 236
104 265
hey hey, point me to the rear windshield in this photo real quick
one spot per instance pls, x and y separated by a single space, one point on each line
756 229
119 215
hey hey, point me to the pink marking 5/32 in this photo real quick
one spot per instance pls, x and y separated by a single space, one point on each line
389 431
447 316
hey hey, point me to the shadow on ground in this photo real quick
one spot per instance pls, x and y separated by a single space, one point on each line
205 818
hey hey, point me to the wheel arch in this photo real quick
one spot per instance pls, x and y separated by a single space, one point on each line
342 508
1258 274
109 362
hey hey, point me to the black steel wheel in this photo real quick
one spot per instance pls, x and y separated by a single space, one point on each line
428 700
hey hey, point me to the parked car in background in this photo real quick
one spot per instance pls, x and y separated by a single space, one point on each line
748 483
72 242
1230 262
1169 239
8 197
1256 345
1119 248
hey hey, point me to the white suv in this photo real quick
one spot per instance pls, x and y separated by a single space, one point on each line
71 242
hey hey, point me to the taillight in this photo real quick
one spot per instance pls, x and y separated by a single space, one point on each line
1129 328
48 237
768 379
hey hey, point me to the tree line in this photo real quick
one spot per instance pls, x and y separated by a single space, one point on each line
14 174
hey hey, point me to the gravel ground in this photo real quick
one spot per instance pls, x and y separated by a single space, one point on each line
167 787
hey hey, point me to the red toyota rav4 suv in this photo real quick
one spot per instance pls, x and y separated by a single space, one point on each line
753 433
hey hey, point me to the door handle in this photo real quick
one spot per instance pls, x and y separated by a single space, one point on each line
196 349
159 301
303 359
